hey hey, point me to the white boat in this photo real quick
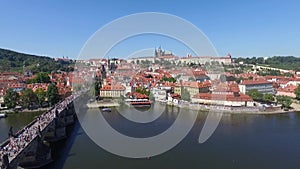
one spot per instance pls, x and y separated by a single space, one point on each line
106 110
3 115
138 102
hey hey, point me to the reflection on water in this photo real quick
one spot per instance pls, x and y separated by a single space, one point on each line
240 141
17 121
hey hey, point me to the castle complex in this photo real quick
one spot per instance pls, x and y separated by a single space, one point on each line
162 55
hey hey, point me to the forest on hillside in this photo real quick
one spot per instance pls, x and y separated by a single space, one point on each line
17 62
282 62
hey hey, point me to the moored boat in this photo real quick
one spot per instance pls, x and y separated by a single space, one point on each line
138 102
3 115
137 99
106 109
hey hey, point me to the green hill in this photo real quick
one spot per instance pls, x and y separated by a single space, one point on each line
15 61
281 62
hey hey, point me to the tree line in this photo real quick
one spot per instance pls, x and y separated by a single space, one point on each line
285 101
281 62
27 98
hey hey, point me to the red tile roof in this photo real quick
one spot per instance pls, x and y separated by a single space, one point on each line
137 95
16 85
227 97
113 87
288 88
253 82
35 86
193 84
227 87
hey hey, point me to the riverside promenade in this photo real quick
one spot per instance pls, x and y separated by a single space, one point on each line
28 146
231 110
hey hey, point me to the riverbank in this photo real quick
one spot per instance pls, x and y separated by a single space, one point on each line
10 111
234 133
232 110
211 108
296 106
99 104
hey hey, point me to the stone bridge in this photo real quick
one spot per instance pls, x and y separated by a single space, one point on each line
29 147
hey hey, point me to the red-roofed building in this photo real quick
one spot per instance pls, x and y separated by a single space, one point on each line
288 90
223 99
18 87
226 88
203 59
35 86
137 99
193 87
113 90
260 85
135 95
227 94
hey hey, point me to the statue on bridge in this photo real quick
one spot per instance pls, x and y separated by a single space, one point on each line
11 133
5 162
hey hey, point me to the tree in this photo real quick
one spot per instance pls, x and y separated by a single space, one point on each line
185 94
255 95
41 96
52 94
284 100
238 80
41 77
14 61
169 79
288 74
297 92
268 98
28 98
95 88
11 98
142 90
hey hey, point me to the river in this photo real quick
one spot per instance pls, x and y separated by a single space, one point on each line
240 141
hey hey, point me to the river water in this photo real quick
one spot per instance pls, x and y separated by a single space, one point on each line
240 141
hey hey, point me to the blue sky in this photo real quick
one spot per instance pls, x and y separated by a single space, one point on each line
242 28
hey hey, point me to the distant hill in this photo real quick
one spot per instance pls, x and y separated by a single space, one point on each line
282 62
15 61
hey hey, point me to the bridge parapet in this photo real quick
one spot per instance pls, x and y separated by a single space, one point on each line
29 140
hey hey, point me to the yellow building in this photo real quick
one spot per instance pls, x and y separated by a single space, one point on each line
112 91
193 87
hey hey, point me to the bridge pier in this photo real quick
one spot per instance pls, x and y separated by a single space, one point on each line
57 131
69 115
39 156
5 162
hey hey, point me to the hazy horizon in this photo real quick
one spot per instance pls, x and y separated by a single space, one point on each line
243 29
